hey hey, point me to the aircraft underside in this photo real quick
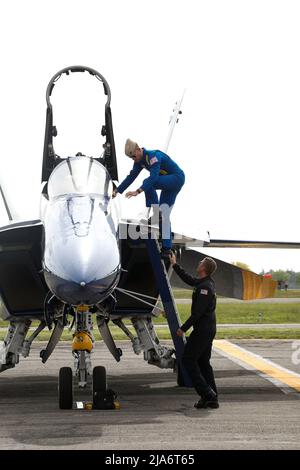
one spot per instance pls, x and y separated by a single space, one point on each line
143 337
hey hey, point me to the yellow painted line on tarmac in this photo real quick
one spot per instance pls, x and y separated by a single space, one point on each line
267 367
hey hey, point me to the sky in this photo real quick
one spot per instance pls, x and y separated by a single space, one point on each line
237 139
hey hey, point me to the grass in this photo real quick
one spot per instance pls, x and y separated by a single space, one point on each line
226 313
182 293
282 294
239 313
248 313
290 293
228 333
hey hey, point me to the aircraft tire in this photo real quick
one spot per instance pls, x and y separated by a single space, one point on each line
65 388
99 379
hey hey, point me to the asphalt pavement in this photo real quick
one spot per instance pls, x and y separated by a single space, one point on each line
155 413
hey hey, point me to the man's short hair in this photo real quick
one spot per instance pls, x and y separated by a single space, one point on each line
210 265
130 147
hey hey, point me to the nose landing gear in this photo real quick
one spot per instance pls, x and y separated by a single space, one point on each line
82 345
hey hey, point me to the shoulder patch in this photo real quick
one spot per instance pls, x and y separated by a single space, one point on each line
204 291
153 160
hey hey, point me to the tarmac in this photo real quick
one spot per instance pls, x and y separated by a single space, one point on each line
254 413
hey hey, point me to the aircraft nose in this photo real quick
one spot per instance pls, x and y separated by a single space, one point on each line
89 293
84 270
81 256
81 273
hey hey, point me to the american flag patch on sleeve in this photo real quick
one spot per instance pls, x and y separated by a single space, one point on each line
153 160
204 291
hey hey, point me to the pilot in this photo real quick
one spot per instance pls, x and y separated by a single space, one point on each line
197 351
166 175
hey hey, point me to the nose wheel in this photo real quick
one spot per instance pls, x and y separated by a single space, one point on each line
103 398
65 388
99 385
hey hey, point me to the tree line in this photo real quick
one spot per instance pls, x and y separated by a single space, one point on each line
292 277
289 276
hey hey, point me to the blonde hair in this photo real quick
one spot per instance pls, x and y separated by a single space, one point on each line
210 265
130 147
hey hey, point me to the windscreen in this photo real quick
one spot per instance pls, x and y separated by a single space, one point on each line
80 176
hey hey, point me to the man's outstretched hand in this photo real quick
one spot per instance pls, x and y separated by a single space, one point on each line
180 332
173 259
131 193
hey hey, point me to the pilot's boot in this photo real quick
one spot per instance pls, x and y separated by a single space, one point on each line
165 253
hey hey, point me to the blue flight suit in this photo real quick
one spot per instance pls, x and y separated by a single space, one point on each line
166 175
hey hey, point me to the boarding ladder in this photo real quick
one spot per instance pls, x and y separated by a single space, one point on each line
168 301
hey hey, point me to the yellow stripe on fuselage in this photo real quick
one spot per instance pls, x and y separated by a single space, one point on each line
258 363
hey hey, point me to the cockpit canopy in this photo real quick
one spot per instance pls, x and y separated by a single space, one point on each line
80 176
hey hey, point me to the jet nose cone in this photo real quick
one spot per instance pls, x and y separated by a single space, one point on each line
88 293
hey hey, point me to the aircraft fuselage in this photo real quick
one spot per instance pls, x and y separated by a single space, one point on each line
81 252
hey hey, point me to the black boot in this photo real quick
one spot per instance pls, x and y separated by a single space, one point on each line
165 253
208 401
200 404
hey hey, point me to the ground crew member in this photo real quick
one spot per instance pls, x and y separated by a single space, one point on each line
197 351
165 174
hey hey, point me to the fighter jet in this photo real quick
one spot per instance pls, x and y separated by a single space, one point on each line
80 263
